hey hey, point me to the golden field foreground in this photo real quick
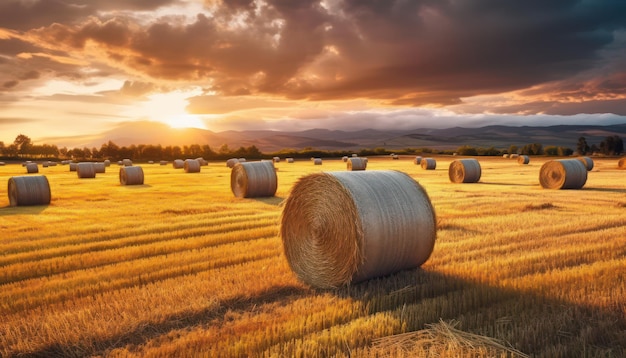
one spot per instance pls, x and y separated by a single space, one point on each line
180 267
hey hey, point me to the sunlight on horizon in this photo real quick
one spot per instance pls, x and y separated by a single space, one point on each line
169 108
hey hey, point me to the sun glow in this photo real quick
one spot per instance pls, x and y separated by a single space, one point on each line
186 121
169 108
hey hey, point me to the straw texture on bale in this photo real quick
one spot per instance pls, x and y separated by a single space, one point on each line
357 163
32 168
429 163
339 228
178 164
85 170
254 179
99 167
523 159
417 160
621 164
588 162
131 175
317 161
29 190
73 167
192 166
563 174
231 162
127 162
464 171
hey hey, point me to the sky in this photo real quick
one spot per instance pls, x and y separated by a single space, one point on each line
70 68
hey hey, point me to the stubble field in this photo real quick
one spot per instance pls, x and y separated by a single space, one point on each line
180 267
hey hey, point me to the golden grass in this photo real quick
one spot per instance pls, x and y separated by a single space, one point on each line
179 267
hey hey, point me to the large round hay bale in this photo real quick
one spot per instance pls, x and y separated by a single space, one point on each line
563 174
99 167
178 164
464 171
29 190
343 227
417 160
131 175
523 159
85 170
73 166
429 163
231 162
191 166
357 163
254 179
32 168
621 164
588 162
127 162
317 161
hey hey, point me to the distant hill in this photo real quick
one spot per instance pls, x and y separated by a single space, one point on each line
145 132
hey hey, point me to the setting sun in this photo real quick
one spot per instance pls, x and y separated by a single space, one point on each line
185 121
169 108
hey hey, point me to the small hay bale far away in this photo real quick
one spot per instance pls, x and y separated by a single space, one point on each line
588 162
163 162
317 161
523 159
417 160
85 170
231 162
191 166
32 168
289 160
127 162
429 164
73 166
464 171
107 163
242 160
339 228
621 164
2 164
178 164
563 174
203 162
99 167
276 159
132 175
254 179
29 190
344 158
514 156
356 163
505 156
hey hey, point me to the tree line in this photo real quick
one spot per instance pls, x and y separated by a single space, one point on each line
23 148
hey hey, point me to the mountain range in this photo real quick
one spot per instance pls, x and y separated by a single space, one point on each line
146 132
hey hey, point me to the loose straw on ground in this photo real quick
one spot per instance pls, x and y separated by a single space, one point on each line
464 171
131 175
563 174
29 190
253 179
343 227
356 164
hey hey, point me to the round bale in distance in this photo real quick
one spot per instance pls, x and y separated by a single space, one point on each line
356 163
192 166
343 227
127 162
464 171
428 163
563 174
32 168
29 190
417 160
523 159
289 160
588 162
178 164
132 175
317 161
73 166
85 170
253 179
99 167
621 164
344 158
231 162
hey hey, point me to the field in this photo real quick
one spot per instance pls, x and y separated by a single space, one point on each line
180 267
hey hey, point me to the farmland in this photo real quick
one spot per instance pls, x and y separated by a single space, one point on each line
180 267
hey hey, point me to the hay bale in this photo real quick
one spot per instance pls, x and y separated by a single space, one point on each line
202 161
127 162
255 179
354 155
344 158
506 156
29 190
563 174
120 163
514 156
343 227
132 175
191 166
73 167
317 161
107 163
242 160
464 171
85 170
523 159
163 162
289 160
32 168
417 160
395 157
276 159
357 164
231 162
621 164
2 164
429 164
99 167
178 164
150 161
588 162
44 164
